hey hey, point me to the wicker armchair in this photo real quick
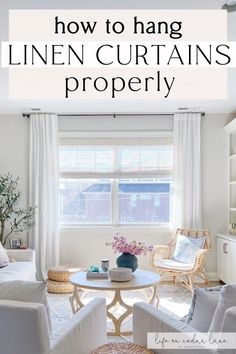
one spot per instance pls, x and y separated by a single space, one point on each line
161 261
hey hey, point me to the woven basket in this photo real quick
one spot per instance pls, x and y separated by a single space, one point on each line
56 287
62 273
121 348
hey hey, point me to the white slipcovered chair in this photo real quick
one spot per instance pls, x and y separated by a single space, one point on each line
24 329
210 312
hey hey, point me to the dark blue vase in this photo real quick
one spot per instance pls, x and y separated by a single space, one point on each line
127 260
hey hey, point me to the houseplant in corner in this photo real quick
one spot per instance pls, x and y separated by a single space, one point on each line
129 251
13 219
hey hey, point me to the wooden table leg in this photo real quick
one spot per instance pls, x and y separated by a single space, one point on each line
155 298
77 304
117 322
75 299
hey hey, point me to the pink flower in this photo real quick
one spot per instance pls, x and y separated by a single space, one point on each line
120 244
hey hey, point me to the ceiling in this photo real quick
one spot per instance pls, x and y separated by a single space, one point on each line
8 106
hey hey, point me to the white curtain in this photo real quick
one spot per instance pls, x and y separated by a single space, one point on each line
43 190
187 171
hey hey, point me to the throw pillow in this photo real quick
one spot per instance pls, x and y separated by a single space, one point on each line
186 248
3 256
26 291
204 303
227 299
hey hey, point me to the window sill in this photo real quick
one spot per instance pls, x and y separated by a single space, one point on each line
115 229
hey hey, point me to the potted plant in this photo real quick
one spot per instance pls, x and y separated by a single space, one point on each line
13 219
129 251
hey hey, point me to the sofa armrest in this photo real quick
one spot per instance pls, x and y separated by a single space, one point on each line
147 318
85 331
229 321
22 255
23 328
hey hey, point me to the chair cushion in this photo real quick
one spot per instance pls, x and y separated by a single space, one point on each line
18 271
204 303
172 264
25 291
186 248
227 299
3 256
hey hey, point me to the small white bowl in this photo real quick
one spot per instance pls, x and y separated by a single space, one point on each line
120 274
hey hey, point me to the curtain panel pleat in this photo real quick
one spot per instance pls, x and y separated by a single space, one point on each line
44 191
187 192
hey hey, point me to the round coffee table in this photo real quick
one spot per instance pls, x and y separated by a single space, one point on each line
141 279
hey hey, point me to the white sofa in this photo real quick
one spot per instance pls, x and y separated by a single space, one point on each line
21 266
80 335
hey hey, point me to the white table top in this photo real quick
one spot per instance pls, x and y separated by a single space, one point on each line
140 279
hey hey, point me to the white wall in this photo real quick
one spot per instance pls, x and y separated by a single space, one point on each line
85 247
214 178
14 147
120 123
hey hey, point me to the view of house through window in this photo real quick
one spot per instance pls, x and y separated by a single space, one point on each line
115 185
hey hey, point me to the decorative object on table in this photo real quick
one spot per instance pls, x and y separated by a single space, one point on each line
129 251
58 279
94 272
232 228
105 264
127 260
120 274
13 219
15 244
97 275
93 269
121 348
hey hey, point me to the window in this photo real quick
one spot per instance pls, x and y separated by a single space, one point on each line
85 201
144 201
115 184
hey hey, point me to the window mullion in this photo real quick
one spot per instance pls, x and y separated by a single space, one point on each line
115 202
115 190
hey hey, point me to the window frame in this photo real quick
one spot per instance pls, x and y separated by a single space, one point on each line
124 138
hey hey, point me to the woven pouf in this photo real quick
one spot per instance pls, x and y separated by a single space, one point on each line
121 348
62 273
58 279
59 287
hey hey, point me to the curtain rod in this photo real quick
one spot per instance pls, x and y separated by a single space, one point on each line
114 115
